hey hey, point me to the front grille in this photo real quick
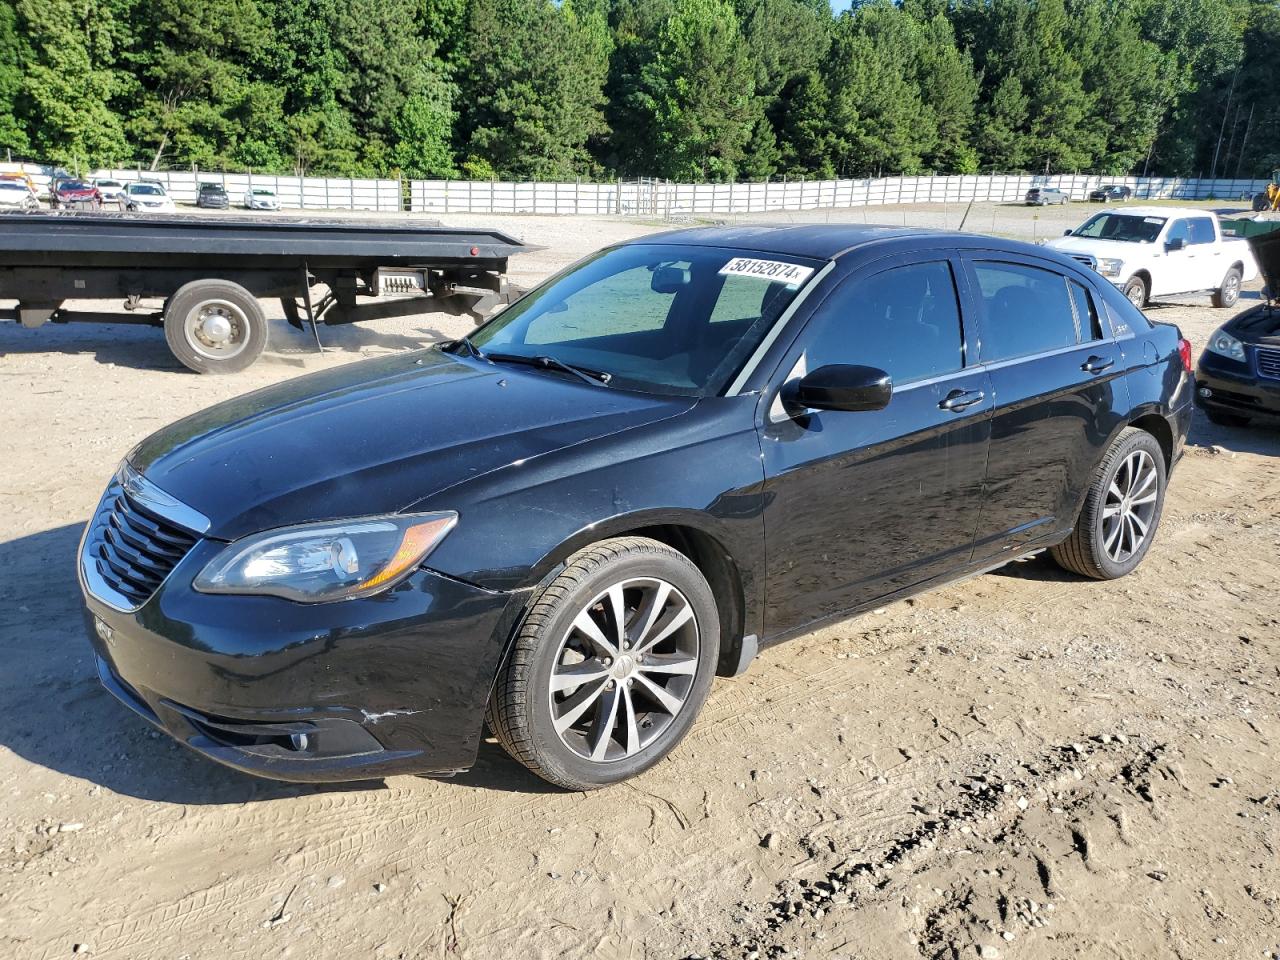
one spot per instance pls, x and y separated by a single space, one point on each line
1088 260
131 548
1269 363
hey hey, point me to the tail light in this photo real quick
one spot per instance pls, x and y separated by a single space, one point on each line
1184 351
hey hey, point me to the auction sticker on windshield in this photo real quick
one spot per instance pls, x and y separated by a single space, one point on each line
792 274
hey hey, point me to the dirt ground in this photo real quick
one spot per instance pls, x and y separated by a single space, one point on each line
1025 765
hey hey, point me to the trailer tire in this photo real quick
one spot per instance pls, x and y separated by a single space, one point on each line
215 326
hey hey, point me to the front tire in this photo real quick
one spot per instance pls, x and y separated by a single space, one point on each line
1229 292
611 666
1135 291
215 326
1121 510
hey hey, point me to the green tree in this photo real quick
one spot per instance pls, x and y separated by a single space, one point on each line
13 134
534 87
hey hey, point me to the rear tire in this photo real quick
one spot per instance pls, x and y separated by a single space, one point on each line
1229 292
1135 291
215 326
577 705
1121 510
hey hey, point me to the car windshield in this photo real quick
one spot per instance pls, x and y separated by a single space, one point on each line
210 188
1120 226
263 193
10 185
108 183
147 189
74 185
657 318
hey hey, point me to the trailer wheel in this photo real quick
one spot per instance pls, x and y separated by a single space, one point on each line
215 326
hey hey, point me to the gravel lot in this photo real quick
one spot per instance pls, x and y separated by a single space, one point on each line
1023 765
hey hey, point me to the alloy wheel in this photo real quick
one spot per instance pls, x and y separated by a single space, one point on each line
624 669
1131 501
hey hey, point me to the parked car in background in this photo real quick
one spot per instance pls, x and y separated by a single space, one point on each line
1112 193
1043 196
212 196
1238 377
1162 251
71 194
681 449
110 190
16 195
146 196
260 198
22 178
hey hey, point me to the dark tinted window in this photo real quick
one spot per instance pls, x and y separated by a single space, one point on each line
1178 230
904 321
1201 229
1028 310
1086 312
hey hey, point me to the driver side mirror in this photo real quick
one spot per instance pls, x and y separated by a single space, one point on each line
1175 244
842 386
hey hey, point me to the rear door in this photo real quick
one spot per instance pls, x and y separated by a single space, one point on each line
859 505
1056 375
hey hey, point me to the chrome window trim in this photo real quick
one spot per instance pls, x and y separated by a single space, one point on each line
775 331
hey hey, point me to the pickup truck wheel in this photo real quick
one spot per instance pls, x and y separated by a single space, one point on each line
1121 510
1135 291
215 326
1227 294
613 661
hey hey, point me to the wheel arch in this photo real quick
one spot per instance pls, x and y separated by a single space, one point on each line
1157 425
689 534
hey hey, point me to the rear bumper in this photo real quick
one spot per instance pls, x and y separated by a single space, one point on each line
1234 389
388 685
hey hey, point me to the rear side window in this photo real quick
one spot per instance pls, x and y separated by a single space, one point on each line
905 321
1027 310
1201 230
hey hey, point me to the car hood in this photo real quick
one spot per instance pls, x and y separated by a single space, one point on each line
1118 249
1266 250
375 437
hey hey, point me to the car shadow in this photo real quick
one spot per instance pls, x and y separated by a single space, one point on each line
1039 568
55 714
143 347
1261 436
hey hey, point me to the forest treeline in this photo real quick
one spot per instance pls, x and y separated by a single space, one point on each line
685 89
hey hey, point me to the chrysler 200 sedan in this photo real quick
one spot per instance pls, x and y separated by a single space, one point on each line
672 454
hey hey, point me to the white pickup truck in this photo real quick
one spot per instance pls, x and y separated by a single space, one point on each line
1160 251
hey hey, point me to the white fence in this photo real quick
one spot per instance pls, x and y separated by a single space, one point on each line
295 193
661 198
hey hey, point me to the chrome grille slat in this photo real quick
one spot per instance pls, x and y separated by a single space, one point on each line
131 549
1268 362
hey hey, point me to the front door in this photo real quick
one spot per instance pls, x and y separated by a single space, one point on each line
1057 376
860 505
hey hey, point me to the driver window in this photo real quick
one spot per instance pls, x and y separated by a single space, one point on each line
906 321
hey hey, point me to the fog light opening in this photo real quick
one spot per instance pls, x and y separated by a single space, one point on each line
298 741
1205 392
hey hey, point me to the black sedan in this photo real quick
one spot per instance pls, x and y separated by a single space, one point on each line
1110 194
212 196
678 451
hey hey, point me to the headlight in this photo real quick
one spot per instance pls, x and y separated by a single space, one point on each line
1225 345
335 560
1109 267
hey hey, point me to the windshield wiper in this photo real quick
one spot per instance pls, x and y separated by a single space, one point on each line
472 349
594 377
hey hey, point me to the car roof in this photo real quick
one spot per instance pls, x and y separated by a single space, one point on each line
1165 212
831 241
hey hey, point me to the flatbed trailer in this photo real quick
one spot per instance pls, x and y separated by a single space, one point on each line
211 272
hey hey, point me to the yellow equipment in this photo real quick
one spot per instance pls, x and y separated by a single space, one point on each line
1270 198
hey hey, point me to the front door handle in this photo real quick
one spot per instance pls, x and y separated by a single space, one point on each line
1097 364
958 400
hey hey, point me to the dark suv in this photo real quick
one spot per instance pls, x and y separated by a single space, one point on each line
212 195
675 452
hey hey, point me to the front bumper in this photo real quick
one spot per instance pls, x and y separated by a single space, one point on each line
391 684
1235 388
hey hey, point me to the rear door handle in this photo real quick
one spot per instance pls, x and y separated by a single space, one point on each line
1097 364
958 400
